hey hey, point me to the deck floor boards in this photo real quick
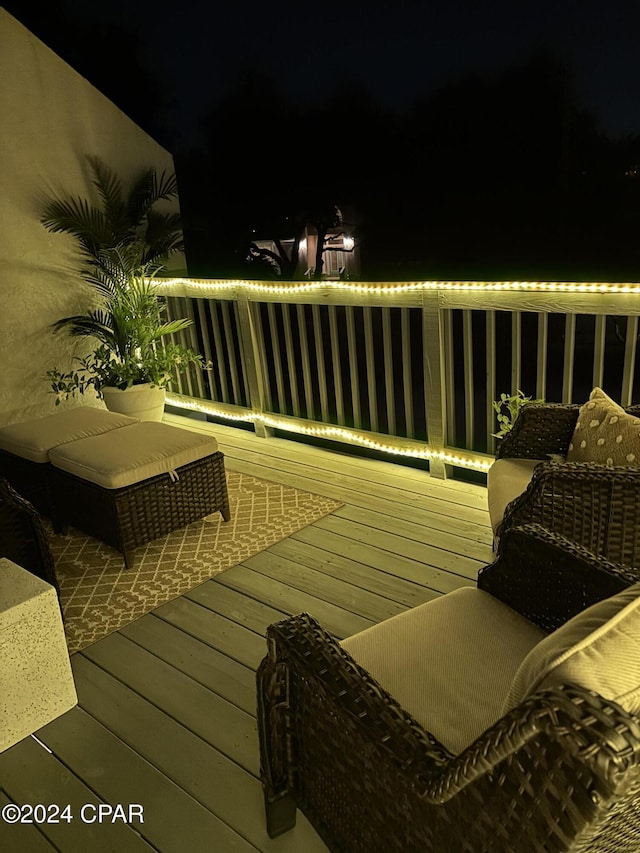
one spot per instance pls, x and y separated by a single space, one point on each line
167 706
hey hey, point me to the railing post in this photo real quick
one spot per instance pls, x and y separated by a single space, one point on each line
435 379
252 361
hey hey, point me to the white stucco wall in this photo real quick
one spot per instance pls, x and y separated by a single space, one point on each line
51 119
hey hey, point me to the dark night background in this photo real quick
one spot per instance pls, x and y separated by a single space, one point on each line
466 139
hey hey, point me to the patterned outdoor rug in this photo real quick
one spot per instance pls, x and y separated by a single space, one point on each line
99 595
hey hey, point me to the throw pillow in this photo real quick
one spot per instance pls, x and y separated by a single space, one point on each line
598 649
605 433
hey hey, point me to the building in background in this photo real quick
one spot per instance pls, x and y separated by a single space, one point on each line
296 257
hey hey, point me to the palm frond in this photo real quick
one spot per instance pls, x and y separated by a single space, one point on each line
140 197
162 249
164 186
109 187
163 235
76 216
124 245
171 327
113 267
94 324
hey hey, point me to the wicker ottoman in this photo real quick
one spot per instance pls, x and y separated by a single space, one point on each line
138 483
24 447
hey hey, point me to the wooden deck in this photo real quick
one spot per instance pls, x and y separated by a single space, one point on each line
166 714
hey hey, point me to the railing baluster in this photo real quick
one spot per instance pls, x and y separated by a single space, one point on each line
336 363
467 347
277 361
185 385
206 345
516 349
255 319
192 343
353 366
320 367
291 359
568 360
371 368
450 388
220 351
240 366
231 352
630 343
253 360
434 378
407 374
389 385
541 356
600 335
306 362
490 327
259 334
172 309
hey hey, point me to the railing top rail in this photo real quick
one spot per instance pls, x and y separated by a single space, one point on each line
543 296
284 288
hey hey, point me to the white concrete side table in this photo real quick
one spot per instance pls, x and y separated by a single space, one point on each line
36 682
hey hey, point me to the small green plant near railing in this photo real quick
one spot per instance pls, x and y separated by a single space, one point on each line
508 408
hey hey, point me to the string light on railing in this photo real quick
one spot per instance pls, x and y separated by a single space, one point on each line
236 288
335 433
390 288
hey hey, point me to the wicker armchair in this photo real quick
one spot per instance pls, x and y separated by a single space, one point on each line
22 537
558 772
594 505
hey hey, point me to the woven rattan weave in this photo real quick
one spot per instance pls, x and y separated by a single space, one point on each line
560 772
30 479
595 505
22 537
129 517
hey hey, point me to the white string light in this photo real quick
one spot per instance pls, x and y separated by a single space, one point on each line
217 286
391 288
333 432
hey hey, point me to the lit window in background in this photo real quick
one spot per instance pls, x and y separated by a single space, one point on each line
348 243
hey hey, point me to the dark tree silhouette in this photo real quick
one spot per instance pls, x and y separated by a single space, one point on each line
499 175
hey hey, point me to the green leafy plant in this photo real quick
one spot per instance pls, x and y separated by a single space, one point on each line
123 244
508 408
131 330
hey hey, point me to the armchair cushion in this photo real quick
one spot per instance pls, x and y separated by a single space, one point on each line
598 649
507 480
450 662
605 433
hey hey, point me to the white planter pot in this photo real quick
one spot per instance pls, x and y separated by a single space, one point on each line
145 402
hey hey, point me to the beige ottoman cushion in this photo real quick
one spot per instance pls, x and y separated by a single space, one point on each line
507 480
34 439
450 662
132 454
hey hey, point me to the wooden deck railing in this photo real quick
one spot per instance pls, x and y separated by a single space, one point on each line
406 367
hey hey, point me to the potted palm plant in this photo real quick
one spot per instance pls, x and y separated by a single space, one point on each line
124 244
133 362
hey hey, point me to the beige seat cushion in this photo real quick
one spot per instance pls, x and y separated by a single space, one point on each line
134 453
598 649
34 439
605 433
449 663
507 479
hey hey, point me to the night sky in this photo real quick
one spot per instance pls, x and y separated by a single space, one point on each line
400 49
